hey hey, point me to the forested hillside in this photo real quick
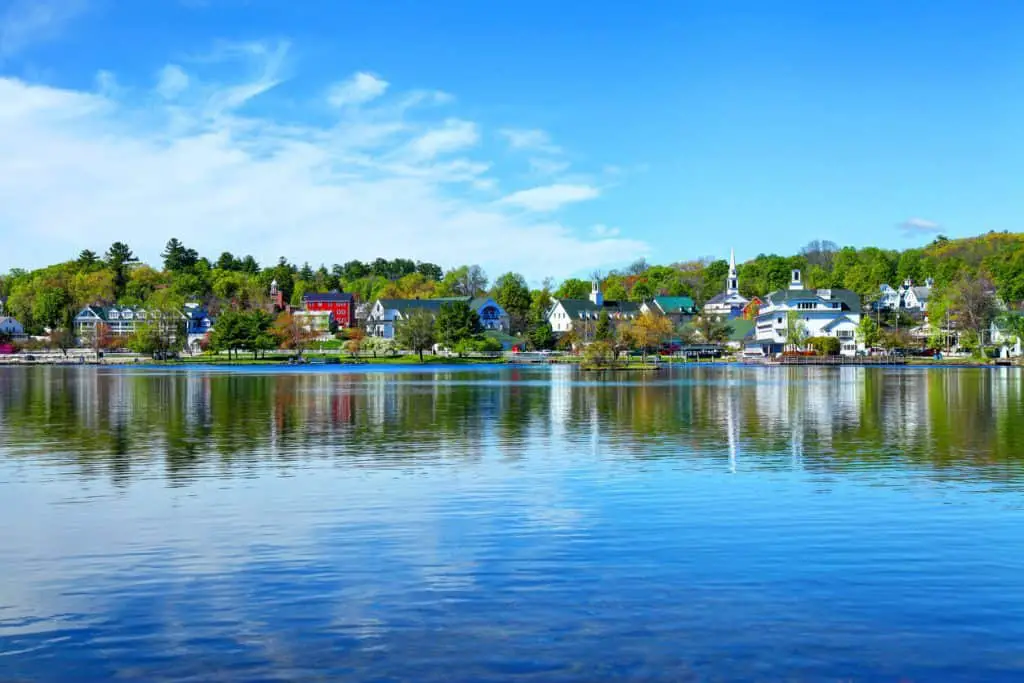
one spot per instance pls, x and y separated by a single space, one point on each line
49 297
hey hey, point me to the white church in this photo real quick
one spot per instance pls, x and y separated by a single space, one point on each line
730 303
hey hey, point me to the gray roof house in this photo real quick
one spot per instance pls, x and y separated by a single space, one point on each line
384 314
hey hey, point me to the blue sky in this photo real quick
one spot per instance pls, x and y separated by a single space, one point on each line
550 138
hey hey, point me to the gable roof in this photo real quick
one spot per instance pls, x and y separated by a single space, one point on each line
584 308
741 329
922 293
725 297
405 306
837 321
849 300
333 295
675 304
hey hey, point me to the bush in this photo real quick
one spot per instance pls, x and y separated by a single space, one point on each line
598 354
825 346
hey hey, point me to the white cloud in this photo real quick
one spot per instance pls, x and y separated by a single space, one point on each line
550 197
84 169
602 230
454 135
543 166
919 226
529 139
359 89
171 81
26 22
106 83
268 63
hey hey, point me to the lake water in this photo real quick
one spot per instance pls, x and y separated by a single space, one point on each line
492 524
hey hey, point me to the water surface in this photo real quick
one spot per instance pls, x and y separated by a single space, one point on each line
529 524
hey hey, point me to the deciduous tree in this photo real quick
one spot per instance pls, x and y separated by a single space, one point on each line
416 332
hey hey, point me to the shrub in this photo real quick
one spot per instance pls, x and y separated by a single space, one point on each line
825 346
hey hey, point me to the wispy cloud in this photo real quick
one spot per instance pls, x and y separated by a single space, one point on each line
26 22
550 197
359 89
171 81
453 136
382 180
542 166
919 226
529 139
601 231
266 60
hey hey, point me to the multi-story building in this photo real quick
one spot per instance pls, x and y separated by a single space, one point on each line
816 312
565 314
340 304
385 314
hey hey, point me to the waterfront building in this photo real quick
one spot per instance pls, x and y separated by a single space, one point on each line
675 308
567 313
730 303
340 304
9 327
820 312
385 314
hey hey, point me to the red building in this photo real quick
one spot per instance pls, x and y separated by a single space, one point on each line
341 304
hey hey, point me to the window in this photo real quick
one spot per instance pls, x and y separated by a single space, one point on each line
113 315
805 305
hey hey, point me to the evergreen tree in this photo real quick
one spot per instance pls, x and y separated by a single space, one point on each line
457 322
119 259
177 257
87 259
604 327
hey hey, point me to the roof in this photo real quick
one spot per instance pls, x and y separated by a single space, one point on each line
103 312
576 308
740 329
725 297
432 305
333 295
922 293
675 304
849 300
838 320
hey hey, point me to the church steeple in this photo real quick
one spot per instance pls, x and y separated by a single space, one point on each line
732 285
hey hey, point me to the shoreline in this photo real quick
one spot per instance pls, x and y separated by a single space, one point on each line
428 361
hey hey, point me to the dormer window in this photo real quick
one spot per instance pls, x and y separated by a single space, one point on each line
114 315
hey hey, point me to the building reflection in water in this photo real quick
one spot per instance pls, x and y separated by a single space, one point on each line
205 423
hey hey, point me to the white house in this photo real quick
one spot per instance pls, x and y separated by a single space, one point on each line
889 299
916 298
565 313
9 327
319 323
1009 344
820 312
730 303
384 314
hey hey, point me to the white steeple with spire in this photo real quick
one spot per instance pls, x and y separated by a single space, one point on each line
732 286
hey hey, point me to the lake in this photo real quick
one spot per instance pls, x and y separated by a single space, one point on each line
505 523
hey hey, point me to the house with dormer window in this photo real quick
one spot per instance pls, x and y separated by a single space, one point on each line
820 312
567 313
